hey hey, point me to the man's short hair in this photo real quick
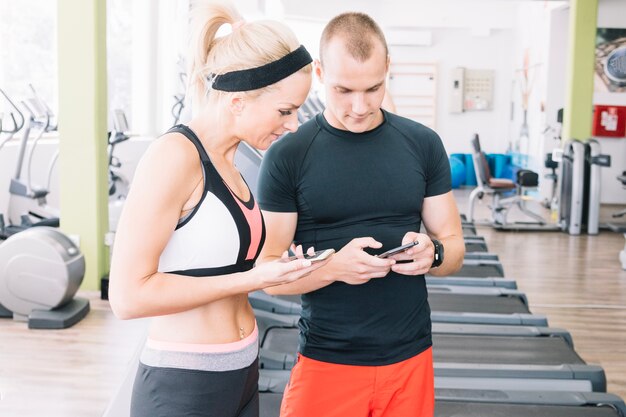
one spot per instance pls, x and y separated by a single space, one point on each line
358 31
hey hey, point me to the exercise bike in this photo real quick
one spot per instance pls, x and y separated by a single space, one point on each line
506 194
549 163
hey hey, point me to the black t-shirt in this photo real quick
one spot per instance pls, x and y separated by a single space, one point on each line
345 185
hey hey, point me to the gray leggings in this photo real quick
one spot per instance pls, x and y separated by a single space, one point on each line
172 392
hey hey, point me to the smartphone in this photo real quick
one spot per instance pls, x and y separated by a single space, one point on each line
319 255
398 249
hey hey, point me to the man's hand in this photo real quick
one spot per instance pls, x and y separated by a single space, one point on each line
416 260
354 266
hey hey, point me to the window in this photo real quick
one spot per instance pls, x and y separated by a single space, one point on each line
119 55
28 50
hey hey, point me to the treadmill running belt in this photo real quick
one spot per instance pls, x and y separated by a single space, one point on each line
270 404
282 340
479 271
293 298
463 303
503 350
475 247
469 230
469 349
464 409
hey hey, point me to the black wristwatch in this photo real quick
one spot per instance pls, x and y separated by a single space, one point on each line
438 260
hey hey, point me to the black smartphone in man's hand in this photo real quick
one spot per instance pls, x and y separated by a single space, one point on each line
399 249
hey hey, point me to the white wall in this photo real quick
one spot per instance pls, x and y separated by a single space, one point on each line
478 14
453 48
539 37
556 66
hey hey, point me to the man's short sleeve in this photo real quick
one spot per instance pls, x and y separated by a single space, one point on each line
277 180
439 179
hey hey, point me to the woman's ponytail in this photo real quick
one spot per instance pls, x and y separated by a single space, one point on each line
250 45
206 17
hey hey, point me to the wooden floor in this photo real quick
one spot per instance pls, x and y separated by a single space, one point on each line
576 281
65 373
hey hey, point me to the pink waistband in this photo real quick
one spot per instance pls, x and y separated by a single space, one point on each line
205 347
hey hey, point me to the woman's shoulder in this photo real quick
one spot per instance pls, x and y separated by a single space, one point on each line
171 163
173 149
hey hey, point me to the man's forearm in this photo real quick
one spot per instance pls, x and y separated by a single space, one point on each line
454 252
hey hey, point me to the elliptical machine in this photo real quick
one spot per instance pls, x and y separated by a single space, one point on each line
41 269
27 202
118 184
16 127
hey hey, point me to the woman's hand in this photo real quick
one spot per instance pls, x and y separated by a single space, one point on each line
284 271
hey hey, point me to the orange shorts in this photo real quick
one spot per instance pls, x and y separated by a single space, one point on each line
322 389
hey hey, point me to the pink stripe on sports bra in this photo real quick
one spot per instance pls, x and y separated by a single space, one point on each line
255 221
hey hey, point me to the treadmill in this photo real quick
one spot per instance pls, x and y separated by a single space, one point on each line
468 229
482 403
480 268
475 244
515 360
472 281
495 308
440 297
489 306
481 256
282 331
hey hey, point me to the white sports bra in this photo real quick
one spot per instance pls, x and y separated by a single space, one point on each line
221 235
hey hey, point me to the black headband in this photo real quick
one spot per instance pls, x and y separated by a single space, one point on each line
259 77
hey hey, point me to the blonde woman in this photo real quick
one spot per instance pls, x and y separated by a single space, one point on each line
191 230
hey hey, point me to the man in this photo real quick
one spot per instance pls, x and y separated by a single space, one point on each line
361 180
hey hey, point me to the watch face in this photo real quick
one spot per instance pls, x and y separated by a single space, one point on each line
438 253
615 66
440 250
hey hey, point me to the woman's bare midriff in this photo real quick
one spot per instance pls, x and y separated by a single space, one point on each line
222 321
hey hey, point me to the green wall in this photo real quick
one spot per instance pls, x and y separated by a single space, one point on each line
83 129
577 117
